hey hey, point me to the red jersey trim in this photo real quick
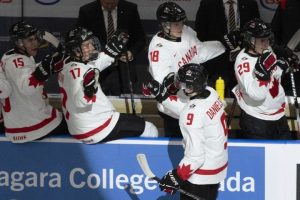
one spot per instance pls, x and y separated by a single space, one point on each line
93 132
211 171
34 127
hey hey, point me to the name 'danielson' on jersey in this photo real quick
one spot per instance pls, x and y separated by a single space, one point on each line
212 111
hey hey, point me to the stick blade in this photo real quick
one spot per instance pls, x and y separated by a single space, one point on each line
294 41
142 160
51 39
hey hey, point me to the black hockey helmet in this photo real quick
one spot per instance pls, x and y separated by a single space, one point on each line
193 77
255 28
76 37
170 12
167 13
20 31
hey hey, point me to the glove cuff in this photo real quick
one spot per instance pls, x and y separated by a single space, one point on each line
41 74
177 177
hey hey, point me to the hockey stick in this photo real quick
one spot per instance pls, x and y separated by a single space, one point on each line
130 83
51 39
230 115
294 41
142 160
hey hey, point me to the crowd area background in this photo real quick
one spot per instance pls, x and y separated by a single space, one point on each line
59 16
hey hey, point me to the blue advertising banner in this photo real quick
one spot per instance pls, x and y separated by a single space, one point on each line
71 170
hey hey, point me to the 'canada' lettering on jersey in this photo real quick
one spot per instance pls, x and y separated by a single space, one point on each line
166 56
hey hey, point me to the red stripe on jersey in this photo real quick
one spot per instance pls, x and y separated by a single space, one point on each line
93 132
210 171
34 127
280 110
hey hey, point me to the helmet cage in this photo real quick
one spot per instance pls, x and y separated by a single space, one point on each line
22 30
169 12
256 28
74 40
192 77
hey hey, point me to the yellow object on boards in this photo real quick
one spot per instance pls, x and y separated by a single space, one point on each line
220 87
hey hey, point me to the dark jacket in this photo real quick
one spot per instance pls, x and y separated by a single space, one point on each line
211 22
128 20
286 21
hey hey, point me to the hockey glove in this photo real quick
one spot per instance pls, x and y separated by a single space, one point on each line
171 182
156 89
288 55
117 44
50 64
169 83
284 65
264 65
90 82
232 40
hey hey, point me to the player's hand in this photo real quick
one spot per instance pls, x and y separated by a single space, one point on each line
288 55
50 64
284 65
57 61
117 44
232 40
264 65
169 83
123 57
171 182
90 82
156 89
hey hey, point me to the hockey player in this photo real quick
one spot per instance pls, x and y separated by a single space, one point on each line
90 115
204 130
27 114
259 92
5 89
174 46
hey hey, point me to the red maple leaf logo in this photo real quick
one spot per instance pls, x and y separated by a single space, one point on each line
173 98
263 83
88 99
34 82
184 172
275 88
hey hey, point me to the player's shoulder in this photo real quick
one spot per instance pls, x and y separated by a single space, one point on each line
242 54
21 60
160 44
203 103
70 64
243 57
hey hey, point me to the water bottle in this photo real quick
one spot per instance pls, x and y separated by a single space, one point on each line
220 87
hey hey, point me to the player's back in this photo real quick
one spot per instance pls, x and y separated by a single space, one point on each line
26 110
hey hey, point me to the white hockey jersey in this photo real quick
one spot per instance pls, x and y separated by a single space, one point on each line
203 126
167 56
27 114
89 119
5 88
261 99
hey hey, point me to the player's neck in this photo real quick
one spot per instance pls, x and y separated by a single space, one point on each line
202 95
252 53
168 37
